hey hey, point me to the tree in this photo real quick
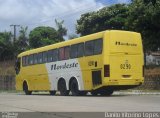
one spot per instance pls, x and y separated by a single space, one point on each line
144 18
113 17
6 46
61 31
150 1
23 41
41 36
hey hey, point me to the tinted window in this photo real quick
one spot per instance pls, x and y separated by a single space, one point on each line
35 56
50 55
30 59
44 57
55 55
66 52
26 60
74 51
89 48
80 49
98 46
93 47
23 61
61 54
77 50
39 57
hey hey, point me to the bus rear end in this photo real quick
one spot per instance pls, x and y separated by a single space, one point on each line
123 60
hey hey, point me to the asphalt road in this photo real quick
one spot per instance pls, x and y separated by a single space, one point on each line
18 102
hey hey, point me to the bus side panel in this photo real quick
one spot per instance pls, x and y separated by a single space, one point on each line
89 65
36 77
65 69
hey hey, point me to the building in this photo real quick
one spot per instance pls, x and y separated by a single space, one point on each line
153 58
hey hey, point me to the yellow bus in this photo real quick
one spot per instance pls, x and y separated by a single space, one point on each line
99 63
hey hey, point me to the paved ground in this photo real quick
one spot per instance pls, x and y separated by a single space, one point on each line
18 102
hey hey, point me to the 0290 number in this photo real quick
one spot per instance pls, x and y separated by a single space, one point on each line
125 66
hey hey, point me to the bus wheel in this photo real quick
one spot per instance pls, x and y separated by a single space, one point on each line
107 92
62 88
83 93
25 89
94 93
74 88
52 92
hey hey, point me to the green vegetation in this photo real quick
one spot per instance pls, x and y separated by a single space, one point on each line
113 17
39 36
140 16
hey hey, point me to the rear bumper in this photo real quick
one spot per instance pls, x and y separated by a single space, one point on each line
123 87
112 82
116 87
122 84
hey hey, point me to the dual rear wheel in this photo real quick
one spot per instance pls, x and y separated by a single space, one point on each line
74 88
62 88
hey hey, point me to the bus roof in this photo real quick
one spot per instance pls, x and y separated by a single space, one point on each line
66 43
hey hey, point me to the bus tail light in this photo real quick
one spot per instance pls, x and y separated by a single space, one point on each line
106 71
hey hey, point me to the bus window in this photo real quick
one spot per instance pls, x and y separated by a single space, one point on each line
30 59
98 46
55 55
39 58
80 50
89 48
24 61
73 51
44 57
35 59
50 55
61 53
66 52
18 65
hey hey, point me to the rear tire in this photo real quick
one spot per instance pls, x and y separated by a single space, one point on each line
94 93
25 89
107 92
83 93
75 89
62 88
52 92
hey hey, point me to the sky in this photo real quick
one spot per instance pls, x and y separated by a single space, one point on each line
34 13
